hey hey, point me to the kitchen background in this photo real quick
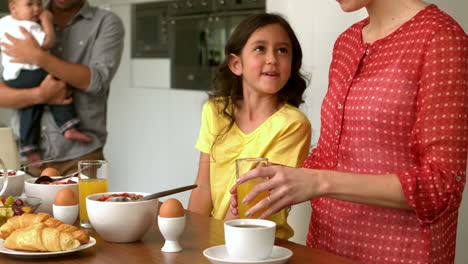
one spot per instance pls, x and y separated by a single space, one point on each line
153 127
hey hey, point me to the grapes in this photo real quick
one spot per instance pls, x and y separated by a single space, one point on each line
19 202
18 211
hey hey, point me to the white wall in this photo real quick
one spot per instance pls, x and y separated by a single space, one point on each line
152 129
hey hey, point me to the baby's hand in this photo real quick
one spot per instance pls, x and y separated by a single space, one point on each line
46 16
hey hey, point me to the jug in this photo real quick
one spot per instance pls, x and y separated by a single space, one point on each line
8 148
5 177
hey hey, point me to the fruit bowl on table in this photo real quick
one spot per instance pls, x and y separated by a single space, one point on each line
17 205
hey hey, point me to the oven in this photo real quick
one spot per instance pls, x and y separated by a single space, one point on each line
198 31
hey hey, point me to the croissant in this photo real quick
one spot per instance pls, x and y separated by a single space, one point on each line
39 237
26 220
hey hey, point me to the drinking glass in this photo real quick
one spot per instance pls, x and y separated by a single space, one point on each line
243 166
92 179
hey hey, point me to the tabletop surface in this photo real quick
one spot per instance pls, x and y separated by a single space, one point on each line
201 232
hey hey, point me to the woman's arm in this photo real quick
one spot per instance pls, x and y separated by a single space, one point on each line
290 186
200 199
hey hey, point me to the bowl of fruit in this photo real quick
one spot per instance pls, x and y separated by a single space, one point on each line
17 205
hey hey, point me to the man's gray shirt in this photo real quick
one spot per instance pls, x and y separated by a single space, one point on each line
94 37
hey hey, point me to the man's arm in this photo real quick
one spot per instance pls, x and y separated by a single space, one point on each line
107 52
50 91
27 50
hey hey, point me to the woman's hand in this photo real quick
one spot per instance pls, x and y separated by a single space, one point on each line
233 202
287 186
25 50
230 215
54 92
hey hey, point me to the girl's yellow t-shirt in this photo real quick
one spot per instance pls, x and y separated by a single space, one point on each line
284 139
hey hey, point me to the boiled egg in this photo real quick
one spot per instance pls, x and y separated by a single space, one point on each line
65 197
171 208
50 172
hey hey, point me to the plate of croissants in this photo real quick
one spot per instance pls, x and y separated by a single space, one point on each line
40 235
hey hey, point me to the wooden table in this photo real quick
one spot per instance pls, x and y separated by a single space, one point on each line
200 233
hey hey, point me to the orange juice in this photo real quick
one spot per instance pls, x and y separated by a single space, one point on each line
88 187
242 190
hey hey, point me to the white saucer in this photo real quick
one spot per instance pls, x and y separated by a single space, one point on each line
219 255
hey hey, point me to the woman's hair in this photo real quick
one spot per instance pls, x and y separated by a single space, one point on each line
227 87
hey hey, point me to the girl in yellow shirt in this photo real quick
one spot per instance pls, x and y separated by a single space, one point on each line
252 112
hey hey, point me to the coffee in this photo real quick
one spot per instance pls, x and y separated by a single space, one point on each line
250 226
249 240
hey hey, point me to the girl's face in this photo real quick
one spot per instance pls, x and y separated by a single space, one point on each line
265 60
26 9
353 5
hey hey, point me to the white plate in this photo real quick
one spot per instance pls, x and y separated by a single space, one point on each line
31 254
219 255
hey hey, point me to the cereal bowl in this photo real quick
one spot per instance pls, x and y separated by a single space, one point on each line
121 221
15 182
47 192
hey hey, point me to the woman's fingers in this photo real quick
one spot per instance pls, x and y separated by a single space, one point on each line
276 200
261 172
273 179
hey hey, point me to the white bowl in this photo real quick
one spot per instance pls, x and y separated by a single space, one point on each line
121 221
15 184
46 192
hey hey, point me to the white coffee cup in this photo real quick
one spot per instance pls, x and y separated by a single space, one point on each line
249 239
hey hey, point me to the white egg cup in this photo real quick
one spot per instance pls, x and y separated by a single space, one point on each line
171 229
66 214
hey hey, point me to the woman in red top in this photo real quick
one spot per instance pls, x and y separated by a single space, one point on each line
386 179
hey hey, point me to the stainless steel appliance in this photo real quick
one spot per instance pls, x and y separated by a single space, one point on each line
150 30
198 32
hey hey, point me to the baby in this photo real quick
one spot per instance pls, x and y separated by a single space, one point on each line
30 15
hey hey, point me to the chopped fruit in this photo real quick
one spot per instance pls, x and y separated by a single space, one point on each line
18 211
58 183
9 201
6 212
26 209
10 173
12 207
132 196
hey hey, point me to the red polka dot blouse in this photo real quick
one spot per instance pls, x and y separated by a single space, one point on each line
396 106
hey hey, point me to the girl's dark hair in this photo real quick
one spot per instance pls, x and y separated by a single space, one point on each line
227 87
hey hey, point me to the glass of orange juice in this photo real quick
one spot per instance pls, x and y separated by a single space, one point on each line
92 179
243 166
